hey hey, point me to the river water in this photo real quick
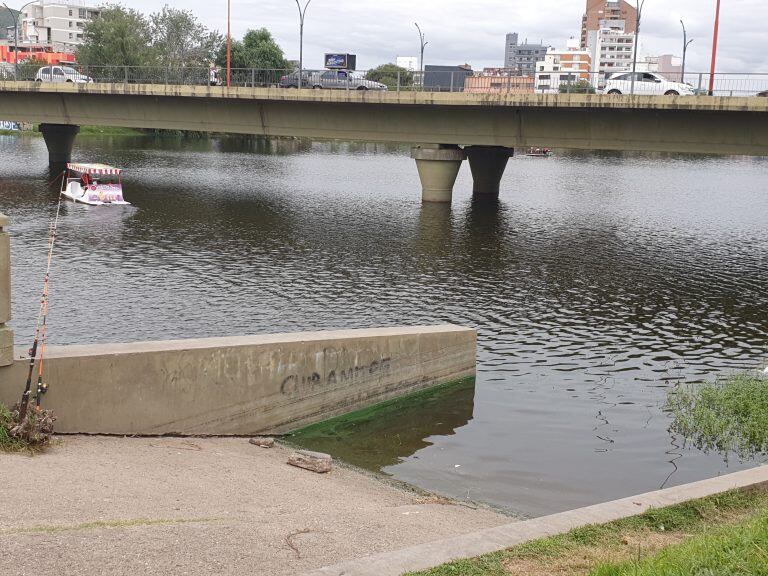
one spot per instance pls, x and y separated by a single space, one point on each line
598 282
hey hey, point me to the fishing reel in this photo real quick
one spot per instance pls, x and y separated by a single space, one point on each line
42 388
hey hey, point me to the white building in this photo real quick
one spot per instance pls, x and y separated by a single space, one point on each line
668 65
610 47
410 63
563 67
56 23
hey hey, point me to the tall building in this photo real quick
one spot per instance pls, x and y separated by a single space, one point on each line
608 34
522 58
57 24
611 14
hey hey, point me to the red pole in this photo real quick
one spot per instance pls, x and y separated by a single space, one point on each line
229 43
714 51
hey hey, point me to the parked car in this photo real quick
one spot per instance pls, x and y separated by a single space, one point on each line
331 80
646 84
61 74
763 94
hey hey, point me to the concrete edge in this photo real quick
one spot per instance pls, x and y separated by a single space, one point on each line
432 554
236 341
416 98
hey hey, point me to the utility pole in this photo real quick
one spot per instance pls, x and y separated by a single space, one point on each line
714 51
302 14
16 35
686 43
421 58
639 6
229 43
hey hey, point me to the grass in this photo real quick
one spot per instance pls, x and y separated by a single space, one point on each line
729 416
7 442
718 529
104 524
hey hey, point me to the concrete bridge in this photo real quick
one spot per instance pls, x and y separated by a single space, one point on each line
444 128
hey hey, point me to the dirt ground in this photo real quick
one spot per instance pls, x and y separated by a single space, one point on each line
129 506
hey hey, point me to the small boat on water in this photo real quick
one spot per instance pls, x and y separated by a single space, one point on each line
539 152
94 184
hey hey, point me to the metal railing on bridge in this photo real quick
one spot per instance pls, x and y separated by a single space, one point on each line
500 81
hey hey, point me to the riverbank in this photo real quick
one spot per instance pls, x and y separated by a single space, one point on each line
105 505
726 533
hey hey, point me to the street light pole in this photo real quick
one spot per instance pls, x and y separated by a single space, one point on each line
16 35
302 14
714 51
639 7
421 58
229 43
686 43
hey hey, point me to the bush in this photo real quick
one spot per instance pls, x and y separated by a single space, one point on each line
33 433
580 87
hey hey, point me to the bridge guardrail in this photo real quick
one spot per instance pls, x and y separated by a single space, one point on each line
455 80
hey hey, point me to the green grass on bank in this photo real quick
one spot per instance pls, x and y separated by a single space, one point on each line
717 529
728 416
740 550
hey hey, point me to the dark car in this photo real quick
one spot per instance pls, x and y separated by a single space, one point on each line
764 93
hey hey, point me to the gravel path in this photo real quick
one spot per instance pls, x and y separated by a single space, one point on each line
201 506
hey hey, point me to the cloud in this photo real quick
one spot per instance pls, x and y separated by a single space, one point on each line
473 31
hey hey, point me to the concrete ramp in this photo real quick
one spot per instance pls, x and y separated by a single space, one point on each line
268 384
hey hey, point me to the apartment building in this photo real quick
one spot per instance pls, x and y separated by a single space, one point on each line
610 14
563 67
56 23
522 58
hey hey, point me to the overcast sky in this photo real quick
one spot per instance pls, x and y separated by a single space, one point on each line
473 31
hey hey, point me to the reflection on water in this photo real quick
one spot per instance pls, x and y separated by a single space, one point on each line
386 436
596 283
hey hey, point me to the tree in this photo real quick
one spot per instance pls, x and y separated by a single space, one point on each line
178 39
580 87
388 74
258 49
118 37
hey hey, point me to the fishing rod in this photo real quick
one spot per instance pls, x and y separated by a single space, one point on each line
42 322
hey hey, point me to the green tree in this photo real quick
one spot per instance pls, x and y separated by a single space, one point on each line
580 87
118 37
388 74
258 49
179 39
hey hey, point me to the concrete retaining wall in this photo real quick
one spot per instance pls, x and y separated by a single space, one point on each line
241 385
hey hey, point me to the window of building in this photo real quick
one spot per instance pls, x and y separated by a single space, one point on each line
70 12
70 35
81 13
70 23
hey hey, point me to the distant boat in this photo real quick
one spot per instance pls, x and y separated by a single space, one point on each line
539 152
94 184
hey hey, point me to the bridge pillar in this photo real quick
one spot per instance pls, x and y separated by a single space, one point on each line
487 164
60 139
438 168
6 334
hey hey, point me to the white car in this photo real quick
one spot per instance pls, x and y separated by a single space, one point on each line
646 84
61 74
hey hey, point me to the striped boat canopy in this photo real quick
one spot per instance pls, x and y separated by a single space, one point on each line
94 169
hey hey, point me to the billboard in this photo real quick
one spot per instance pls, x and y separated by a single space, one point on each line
12 126
341 61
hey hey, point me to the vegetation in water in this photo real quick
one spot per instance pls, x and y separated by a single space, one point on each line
30 434
729 416
709 536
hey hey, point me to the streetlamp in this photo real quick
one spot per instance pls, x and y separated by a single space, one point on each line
229 43
16 35
302 14
639 7
686 43
714 51
423 45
